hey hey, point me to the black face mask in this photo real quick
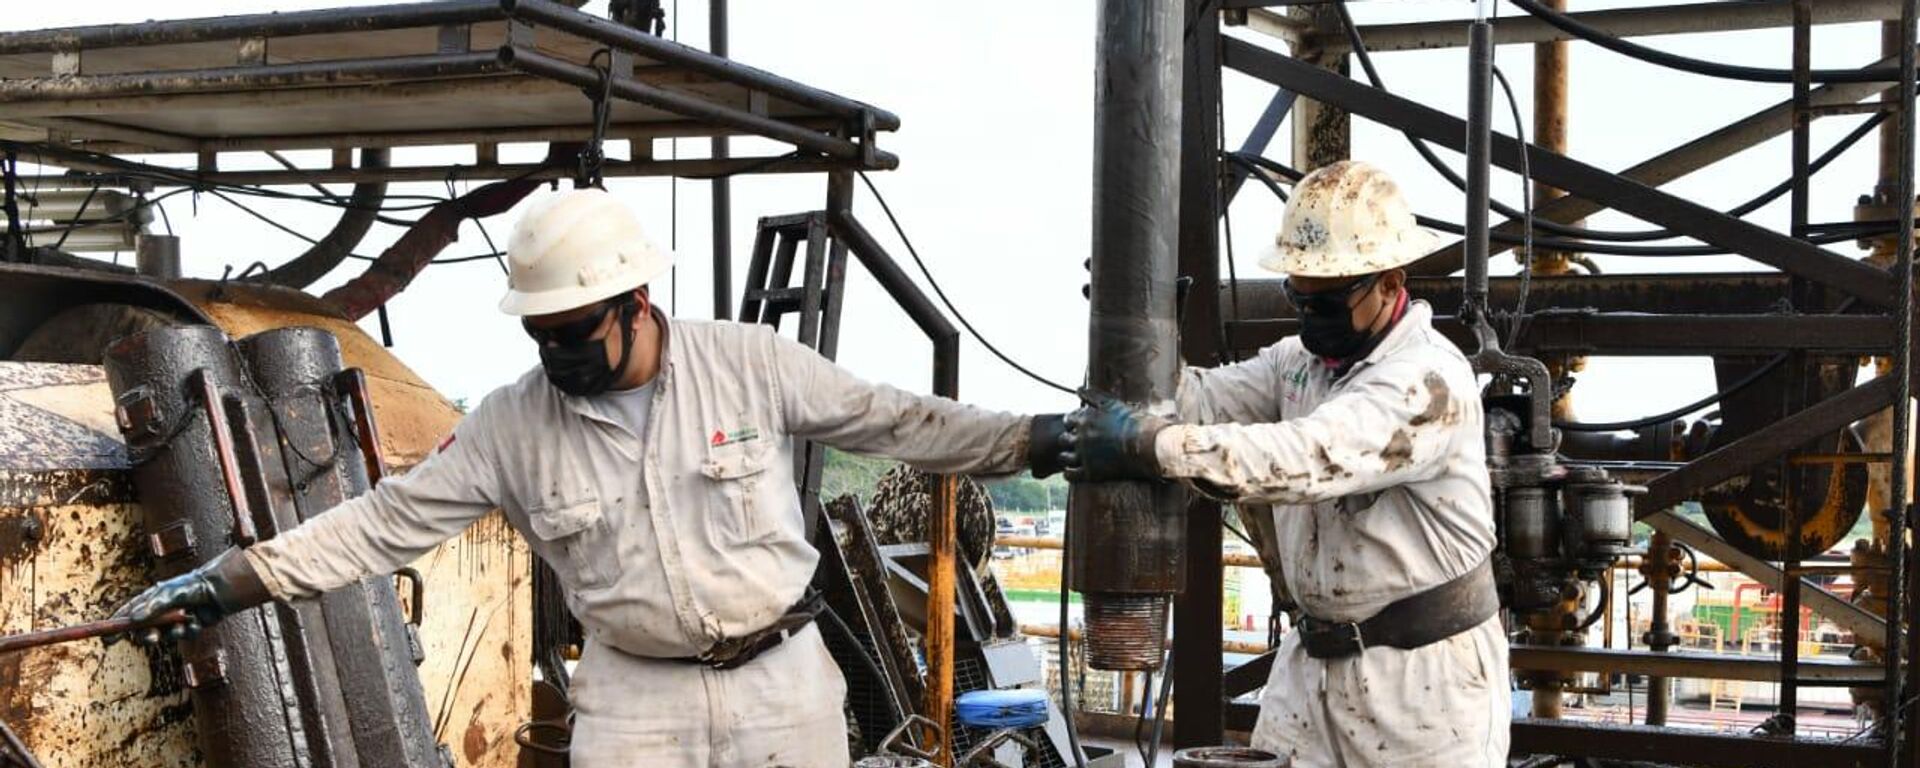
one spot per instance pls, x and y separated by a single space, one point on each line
576 364
1326 320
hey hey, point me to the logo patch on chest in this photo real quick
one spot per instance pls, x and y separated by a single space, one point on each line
739 435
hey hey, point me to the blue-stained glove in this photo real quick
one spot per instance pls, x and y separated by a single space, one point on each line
1047 444
1111 440
224 586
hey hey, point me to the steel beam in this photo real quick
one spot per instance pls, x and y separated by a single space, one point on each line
1681 215
1196 631
693 168
1632 334
1705 666
1770 442
1681 19
1854 618
1663 745
371 18
1726 293
1717 145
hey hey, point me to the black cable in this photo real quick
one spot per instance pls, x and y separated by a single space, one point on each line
296 233
1160 706
1582 30
1140 720
1662 418
1526 201
935 284
77 216
1606 602
1066 677
1566 230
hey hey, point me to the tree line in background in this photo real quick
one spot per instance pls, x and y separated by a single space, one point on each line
848 473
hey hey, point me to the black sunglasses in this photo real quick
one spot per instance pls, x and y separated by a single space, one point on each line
578 331
1328 302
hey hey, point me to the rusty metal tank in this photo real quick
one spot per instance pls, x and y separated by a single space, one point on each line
72 547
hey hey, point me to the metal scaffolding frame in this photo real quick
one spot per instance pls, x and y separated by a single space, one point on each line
1720 314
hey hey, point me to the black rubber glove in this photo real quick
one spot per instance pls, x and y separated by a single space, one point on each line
1112 440
224 586
1047 444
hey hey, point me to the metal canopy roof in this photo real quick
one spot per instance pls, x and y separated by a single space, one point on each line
475 72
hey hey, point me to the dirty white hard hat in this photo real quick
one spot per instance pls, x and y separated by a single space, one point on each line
1346 220
576 248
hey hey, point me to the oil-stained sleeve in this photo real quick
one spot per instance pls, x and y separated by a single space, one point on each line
391 525
1395 425
822 401
1247 392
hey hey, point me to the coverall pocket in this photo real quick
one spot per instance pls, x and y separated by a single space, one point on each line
578 542
736 471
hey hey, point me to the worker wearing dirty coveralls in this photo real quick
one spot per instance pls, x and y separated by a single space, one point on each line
650 463
1364 434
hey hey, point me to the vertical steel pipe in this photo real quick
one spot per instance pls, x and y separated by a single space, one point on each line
722 184
1131 556
1479 162
1900 510
1197 631
157 256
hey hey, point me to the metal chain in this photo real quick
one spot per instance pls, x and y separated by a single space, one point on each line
593 156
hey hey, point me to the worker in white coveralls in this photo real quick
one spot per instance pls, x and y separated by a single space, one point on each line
1364 433
650 463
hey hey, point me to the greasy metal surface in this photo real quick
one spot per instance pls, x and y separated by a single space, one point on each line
308 644
84 705
249 719
1129 538
478 636
54 420
385 704
1228 757
30 295
867 605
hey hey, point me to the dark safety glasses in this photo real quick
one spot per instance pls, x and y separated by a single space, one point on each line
578 331
1328 302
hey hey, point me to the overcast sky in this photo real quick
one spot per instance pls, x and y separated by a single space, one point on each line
993 185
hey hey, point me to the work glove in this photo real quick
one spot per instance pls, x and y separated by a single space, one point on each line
1111 440
1047 444
224 586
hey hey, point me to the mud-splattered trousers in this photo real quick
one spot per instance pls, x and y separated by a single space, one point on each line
1378 484
665 542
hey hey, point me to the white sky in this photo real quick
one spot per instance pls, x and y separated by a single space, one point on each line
996 105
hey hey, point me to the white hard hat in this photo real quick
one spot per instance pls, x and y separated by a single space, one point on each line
1345 220
573 249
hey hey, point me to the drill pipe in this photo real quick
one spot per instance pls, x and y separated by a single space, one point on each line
1126 556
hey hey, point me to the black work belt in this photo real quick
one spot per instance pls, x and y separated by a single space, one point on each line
1410 622
737 651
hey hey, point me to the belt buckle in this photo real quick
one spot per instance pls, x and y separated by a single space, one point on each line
1340 639
722 654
